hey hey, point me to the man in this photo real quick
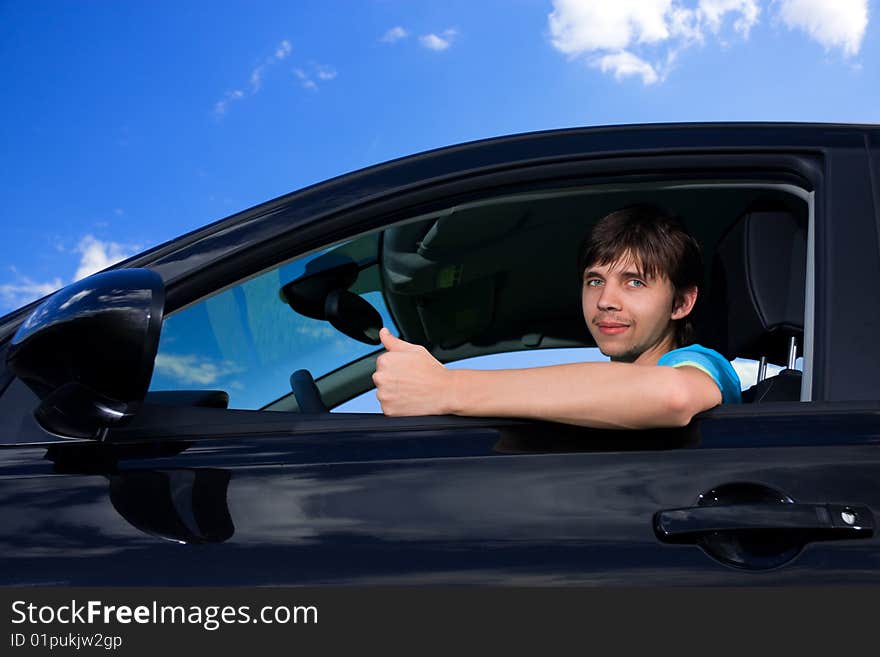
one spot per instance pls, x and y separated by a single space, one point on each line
641 276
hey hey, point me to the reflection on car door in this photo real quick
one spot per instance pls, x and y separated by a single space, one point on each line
446 500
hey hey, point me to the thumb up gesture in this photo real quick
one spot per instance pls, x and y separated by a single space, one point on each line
409 380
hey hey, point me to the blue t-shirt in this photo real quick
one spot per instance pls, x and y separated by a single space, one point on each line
710 362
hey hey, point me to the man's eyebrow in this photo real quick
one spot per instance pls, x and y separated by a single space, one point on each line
590 273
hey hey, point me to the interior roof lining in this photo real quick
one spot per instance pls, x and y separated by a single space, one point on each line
528 240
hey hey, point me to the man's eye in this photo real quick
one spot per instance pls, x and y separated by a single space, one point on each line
592 282
636 283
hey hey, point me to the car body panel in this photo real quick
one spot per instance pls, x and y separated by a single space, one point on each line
454 505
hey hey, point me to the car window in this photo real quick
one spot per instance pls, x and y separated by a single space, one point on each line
747 370
493 275
247 340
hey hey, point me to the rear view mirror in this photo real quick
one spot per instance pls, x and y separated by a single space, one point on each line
87 351
308 293
354 316
324 295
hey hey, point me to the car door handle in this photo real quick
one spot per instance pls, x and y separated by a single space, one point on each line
818 520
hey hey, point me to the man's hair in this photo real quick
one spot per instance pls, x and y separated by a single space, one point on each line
659 244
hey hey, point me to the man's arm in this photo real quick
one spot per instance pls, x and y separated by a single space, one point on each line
410 381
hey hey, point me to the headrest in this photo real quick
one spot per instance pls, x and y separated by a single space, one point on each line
756 300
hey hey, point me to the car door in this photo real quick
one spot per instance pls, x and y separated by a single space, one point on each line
190 494
435 500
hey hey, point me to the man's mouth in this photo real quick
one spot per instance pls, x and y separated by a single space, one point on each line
612 328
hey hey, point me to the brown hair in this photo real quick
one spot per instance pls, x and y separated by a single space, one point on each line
660 246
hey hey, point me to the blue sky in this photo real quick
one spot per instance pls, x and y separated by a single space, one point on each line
125 124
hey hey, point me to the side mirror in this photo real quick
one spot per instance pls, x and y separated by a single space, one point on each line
87 352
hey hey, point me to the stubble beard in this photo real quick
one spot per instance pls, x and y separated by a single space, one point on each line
633 353
629 356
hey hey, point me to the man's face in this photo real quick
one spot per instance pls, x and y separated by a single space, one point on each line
629 315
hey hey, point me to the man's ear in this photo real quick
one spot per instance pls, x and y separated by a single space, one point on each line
684 302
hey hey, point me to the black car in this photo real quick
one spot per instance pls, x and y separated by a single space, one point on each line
198 414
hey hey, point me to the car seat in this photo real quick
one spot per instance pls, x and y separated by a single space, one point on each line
756 299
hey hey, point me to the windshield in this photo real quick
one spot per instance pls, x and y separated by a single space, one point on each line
247 340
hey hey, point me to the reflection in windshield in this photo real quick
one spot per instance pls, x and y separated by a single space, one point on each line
247 341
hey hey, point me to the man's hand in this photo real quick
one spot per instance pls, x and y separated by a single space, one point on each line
409 380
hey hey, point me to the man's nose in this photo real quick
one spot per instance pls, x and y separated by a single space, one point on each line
610 298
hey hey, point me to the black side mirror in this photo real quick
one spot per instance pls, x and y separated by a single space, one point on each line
87 351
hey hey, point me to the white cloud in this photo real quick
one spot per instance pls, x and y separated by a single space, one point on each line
624 64
256 79
713 11
221 106
193 369
584 26
833 23
325 72
281 53
394 34
433 42
24 290
97 255
581 26
438 43
321 71
685 26
316 330
643 38
304 79
284 49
